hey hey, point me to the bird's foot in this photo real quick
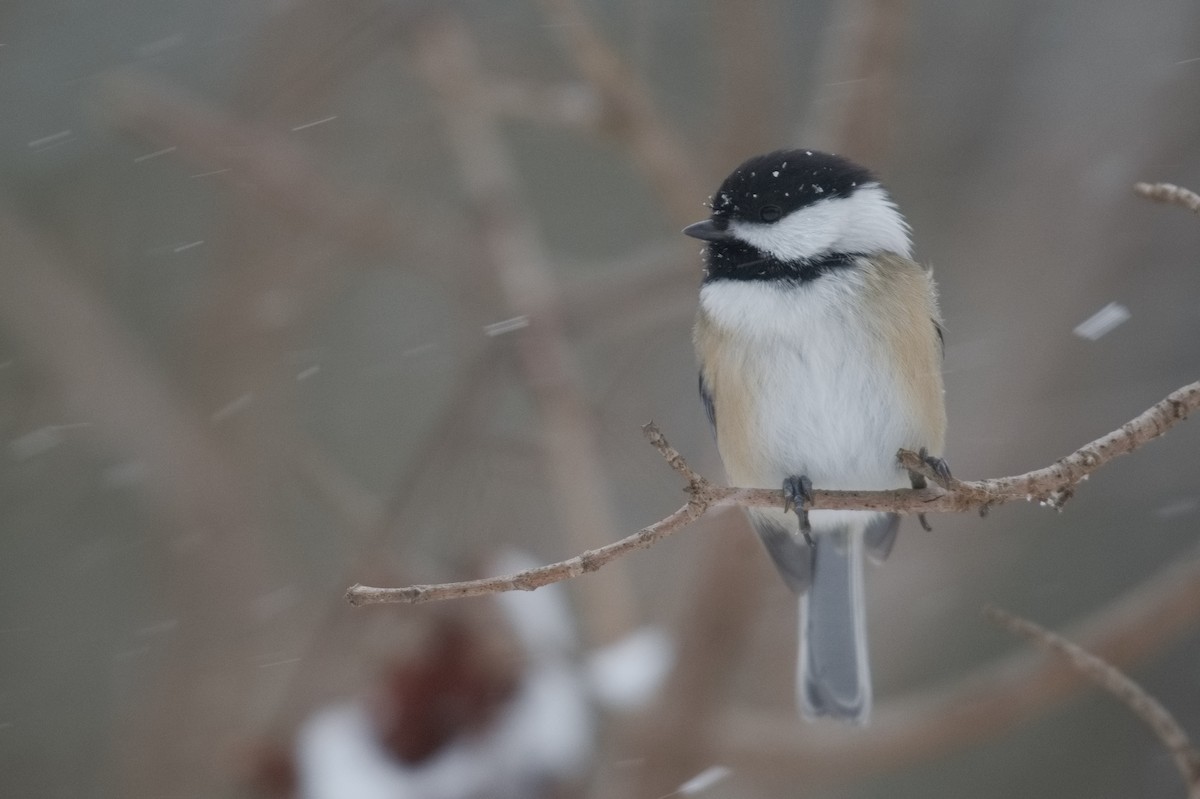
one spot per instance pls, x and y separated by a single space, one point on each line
797 495
939 467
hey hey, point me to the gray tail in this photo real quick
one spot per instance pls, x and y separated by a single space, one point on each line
835 675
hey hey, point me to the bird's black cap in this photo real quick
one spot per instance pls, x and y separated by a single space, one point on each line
768 187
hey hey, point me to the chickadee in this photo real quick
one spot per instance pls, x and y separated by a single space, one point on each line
819 342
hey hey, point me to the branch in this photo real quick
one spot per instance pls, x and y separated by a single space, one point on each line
1111 679
1052 486
530 579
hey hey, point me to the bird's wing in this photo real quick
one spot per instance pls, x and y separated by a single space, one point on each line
710 408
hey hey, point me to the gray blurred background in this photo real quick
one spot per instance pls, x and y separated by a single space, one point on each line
300 294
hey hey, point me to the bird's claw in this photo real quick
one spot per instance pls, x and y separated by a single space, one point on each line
797 496
797 492
939 465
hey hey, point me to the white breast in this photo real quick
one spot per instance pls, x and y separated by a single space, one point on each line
820 396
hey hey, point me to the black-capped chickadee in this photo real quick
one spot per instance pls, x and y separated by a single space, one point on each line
819 342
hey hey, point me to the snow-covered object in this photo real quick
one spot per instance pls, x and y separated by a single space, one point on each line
628 673
544 735
447 727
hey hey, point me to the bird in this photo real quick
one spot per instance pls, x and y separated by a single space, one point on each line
819 342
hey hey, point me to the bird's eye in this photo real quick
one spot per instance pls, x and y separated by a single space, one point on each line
770 213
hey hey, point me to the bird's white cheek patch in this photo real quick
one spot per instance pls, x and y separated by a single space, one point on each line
801 235
865 222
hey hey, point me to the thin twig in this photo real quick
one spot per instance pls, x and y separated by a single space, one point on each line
695 482
1169 193
530 579
1048 485
1111 679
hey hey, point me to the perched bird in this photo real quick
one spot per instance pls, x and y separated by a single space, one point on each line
819 342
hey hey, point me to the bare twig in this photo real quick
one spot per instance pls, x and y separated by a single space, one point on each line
696 483
530 579
1111 679
1169 193
1048 485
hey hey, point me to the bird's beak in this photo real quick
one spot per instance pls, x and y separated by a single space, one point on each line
707 231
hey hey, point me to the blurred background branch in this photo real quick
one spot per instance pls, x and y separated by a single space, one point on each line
1148 709
929 723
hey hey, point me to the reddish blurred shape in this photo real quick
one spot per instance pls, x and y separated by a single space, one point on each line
453 686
